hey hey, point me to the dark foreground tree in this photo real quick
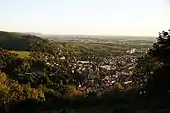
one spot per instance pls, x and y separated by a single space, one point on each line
153 70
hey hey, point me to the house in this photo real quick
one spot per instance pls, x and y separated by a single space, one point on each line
107 67
127 82
83 62
62 58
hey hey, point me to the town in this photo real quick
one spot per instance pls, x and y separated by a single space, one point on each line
98 77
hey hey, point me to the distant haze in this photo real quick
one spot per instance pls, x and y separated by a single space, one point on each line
86 17
107 37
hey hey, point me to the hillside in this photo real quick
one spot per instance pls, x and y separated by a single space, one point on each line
17 41
49 76
21 54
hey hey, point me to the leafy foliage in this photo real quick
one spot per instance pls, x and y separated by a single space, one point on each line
152 70
11 91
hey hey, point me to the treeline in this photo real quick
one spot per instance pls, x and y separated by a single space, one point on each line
152 70
24 42
16 41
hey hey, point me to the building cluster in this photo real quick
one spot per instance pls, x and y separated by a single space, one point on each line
102 76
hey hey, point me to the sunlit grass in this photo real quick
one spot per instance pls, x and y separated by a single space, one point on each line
21 54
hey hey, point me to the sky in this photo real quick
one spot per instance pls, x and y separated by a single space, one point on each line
90 17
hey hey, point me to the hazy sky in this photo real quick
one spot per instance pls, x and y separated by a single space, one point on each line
96 17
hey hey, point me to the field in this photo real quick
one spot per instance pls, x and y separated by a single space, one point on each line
21 54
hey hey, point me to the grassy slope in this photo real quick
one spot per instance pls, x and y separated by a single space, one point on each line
21 54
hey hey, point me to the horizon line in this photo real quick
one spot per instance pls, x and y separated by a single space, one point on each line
76 34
